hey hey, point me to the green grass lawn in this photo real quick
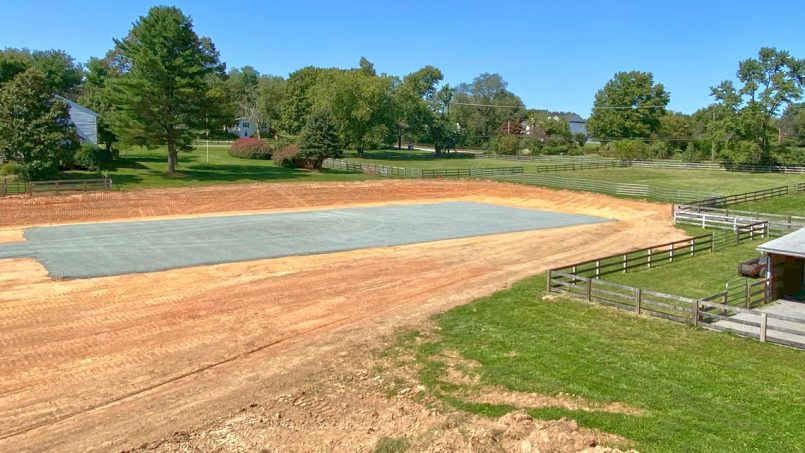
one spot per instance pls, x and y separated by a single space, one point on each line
793 204
697 277
698 390
717 182
140 168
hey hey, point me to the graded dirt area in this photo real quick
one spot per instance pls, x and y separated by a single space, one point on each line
118 362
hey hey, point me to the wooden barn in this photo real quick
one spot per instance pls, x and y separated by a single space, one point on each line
787 266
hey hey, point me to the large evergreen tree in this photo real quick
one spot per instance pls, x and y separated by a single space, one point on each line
320 139
162 94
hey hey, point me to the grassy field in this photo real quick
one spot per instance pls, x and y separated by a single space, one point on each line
793 204
699 277
716 182
141 168
697 390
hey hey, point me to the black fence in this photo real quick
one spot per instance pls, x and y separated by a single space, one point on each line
470 172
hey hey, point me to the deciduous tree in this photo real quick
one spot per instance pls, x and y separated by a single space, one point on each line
629 106
35 127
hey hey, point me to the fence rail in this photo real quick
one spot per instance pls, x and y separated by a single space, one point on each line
470 172
732 219
717 312
607 187
647 258
746 197
57 186
371 169
670 164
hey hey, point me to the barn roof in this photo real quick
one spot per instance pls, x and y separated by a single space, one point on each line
792 244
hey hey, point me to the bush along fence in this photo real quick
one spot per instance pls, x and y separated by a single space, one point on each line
609 188
704 214
54 187
730 310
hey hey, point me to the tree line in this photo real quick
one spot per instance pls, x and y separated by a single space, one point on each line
163 85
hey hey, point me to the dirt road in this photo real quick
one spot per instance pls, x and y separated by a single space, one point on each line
110 363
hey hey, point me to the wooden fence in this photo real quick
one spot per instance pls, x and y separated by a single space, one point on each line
574 166
54 187
660 163
738 198
470 172
608 187
800 187
644 258
371 169
719 311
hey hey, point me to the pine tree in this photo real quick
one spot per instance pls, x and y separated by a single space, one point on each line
320 139
162 95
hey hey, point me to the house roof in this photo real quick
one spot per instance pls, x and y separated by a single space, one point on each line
77 106
792 244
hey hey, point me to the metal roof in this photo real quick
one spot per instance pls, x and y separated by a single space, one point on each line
792 244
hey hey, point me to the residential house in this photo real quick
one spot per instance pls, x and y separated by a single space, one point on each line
84 120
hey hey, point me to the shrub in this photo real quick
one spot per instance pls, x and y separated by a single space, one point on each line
11 169
506 144
87 157
287 156
250 148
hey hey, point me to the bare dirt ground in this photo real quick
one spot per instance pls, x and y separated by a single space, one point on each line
119 362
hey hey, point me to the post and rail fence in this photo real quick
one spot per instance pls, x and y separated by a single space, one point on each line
730 310
53 187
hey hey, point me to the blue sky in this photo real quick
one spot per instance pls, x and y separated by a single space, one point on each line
554 54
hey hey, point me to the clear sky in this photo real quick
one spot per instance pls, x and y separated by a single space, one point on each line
554 54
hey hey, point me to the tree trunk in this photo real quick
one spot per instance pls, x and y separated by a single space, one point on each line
172 158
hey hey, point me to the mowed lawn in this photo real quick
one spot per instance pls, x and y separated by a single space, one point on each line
140 168
793 204
716 182
695 390
697 277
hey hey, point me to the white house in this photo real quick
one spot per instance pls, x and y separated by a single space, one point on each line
84 120
244 127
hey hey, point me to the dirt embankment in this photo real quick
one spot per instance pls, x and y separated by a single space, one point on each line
110 363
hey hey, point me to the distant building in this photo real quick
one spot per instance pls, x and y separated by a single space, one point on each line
84 120
246 127
578 125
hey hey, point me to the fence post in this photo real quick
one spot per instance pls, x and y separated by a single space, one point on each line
638 299
763 324
590 289
597 268
712 242
695 310
549 280
649 258
624 261
671 254
692 246
747 294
